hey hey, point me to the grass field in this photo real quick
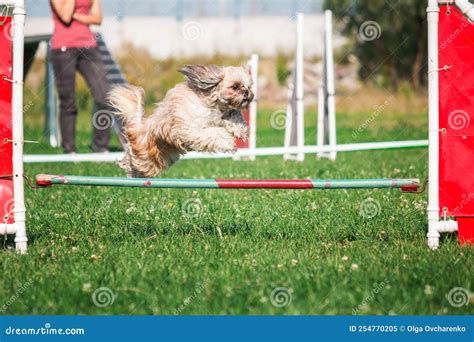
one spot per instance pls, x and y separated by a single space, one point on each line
225 252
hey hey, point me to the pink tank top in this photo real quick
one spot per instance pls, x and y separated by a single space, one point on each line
75 35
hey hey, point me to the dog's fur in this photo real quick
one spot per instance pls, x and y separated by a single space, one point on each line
201 114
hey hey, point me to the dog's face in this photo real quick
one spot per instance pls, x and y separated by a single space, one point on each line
231 86
235 89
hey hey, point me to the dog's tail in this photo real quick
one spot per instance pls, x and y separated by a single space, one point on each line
127 102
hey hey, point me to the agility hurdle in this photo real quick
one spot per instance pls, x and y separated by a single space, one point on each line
408 185
326 137
451 187
242 153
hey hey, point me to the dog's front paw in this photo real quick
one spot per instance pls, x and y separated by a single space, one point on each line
241 132
227 146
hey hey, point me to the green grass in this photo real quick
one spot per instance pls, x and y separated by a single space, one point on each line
224 252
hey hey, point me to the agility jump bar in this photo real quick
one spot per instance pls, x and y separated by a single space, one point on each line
408 185
241 153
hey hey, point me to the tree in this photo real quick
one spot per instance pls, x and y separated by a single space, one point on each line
389 37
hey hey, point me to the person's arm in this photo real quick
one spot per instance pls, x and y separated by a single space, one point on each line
64 9
93 18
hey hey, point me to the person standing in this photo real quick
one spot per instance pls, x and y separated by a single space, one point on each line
74 48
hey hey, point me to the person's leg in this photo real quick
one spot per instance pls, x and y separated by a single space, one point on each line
91 67
64 64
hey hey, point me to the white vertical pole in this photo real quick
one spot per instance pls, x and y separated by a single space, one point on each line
253 105
321 117
433 135
17 126
322 105
300 86
331 102
294 129
51 106
289 122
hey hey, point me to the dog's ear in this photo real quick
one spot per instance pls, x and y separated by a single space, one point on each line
203 77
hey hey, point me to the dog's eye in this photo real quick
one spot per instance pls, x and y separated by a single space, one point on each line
236 86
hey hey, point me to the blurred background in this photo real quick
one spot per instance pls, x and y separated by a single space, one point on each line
151 39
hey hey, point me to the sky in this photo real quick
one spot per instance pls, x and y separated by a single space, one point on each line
184 8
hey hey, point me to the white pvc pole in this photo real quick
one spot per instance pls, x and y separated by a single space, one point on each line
300 85
252 65
253 105
330 87
321 115
262 151
8 229
289 122
433 150
323 127
17 126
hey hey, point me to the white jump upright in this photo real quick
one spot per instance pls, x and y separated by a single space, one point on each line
18 227
294 130
326 131
250 115
253 105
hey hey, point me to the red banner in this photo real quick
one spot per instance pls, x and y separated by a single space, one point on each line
6 166
456 118
239 142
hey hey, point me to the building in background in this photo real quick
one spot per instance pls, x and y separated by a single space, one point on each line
188 28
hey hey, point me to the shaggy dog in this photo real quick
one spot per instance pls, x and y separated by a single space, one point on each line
201 114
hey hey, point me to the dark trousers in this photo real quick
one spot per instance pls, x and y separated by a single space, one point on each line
89 63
